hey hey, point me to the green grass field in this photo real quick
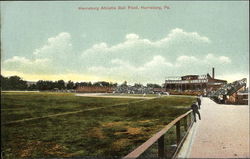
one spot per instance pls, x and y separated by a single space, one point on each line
114 127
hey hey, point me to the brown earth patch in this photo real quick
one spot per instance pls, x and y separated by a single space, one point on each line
131 131
121 143
148 121
134 131
28 148
26 152
144 121
56 150
96 132
111 124
46 148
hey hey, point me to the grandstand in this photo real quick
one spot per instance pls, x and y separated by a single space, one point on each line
193 84
231 93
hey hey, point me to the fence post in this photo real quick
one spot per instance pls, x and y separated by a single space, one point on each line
161 149
191 117
178 133
186 123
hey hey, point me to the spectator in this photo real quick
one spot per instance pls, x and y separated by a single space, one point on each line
199 102
194 107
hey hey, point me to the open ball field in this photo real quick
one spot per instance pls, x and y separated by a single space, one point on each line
43 124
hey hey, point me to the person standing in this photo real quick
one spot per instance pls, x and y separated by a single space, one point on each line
199 102
194 107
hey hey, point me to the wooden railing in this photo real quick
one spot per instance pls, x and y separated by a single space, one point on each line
159 137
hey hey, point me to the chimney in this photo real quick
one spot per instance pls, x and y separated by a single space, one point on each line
213 72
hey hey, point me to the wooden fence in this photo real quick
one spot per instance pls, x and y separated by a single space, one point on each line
159 137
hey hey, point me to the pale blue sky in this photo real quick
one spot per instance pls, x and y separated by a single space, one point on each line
188 38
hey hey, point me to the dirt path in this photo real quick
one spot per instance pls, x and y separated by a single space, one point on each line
103 95
223 132
68 113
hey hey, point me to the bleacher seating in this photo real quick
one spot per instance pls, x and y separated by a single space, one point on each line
230 88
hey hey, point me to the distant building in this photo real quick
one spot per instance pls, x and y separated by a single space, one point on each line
193 84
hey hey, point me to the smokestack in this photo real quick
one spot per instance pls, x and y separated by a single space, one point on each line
213 72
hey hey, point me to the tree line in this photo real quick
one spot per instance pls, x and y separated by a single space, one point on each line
13 83
17 83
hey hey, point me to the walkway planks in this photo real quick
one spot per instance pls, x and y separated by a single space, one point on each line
223 132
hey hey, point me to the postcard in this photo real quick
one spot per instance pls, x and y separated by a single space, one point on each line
125 79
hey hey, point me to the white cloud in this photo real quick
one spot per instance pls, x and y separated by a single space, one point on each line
53 57
219 59
23 64
101 46
17 59
135 59
154 70
158 61
57 48
24 60
132 37
185 60
138 50
180 35
224 59
209 59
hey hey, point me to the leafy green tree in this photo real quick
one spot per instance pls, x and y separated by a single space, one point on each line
13 83
96 84
89 84
124 84
70 85
41 85
4 83
32 87
102 84
113 84
151 85
61 84
138 85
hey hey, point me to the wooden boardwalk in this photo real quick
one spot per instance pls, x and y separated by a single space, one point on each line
222 132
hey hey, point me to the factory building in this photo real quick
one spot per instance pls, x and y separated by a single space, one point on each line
193 84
